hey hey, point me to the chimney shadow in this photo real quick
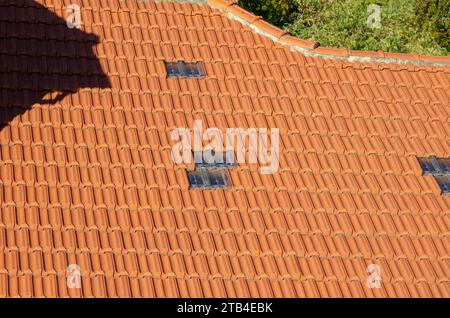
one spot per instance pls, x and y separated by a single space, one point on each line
40 54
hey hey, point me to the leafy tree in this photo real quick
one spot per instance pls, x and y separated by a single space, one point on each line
434 15
277 12
420 26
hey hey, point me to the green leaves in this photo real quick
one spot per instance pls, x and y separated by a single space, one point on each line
278 12
419 26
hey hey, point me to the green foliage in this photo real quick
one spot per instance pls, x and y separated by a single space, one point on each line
419 26
278 12
434 15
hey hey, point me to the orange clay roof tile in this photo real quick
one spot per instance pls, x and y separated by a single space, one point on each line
86 175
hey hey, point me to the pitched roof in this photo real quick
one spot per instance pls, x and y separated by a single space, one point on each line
86 177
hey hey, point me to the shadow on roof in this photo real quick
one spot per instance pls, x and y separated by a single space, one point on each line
39 55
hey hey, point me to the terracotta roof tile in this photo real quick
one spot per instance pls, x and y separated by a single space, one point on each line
86 174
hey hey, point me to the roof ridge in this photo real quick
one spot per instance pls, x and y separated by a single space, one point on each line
313 48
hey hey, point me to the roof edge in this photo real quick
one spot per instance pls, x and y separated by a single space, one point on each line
313 48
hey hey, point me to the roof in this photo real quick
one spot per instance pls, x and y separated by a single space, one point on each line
86 177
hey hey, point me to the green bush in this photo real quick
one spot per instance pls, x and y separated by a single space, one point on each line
434 16
419 26
278 12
